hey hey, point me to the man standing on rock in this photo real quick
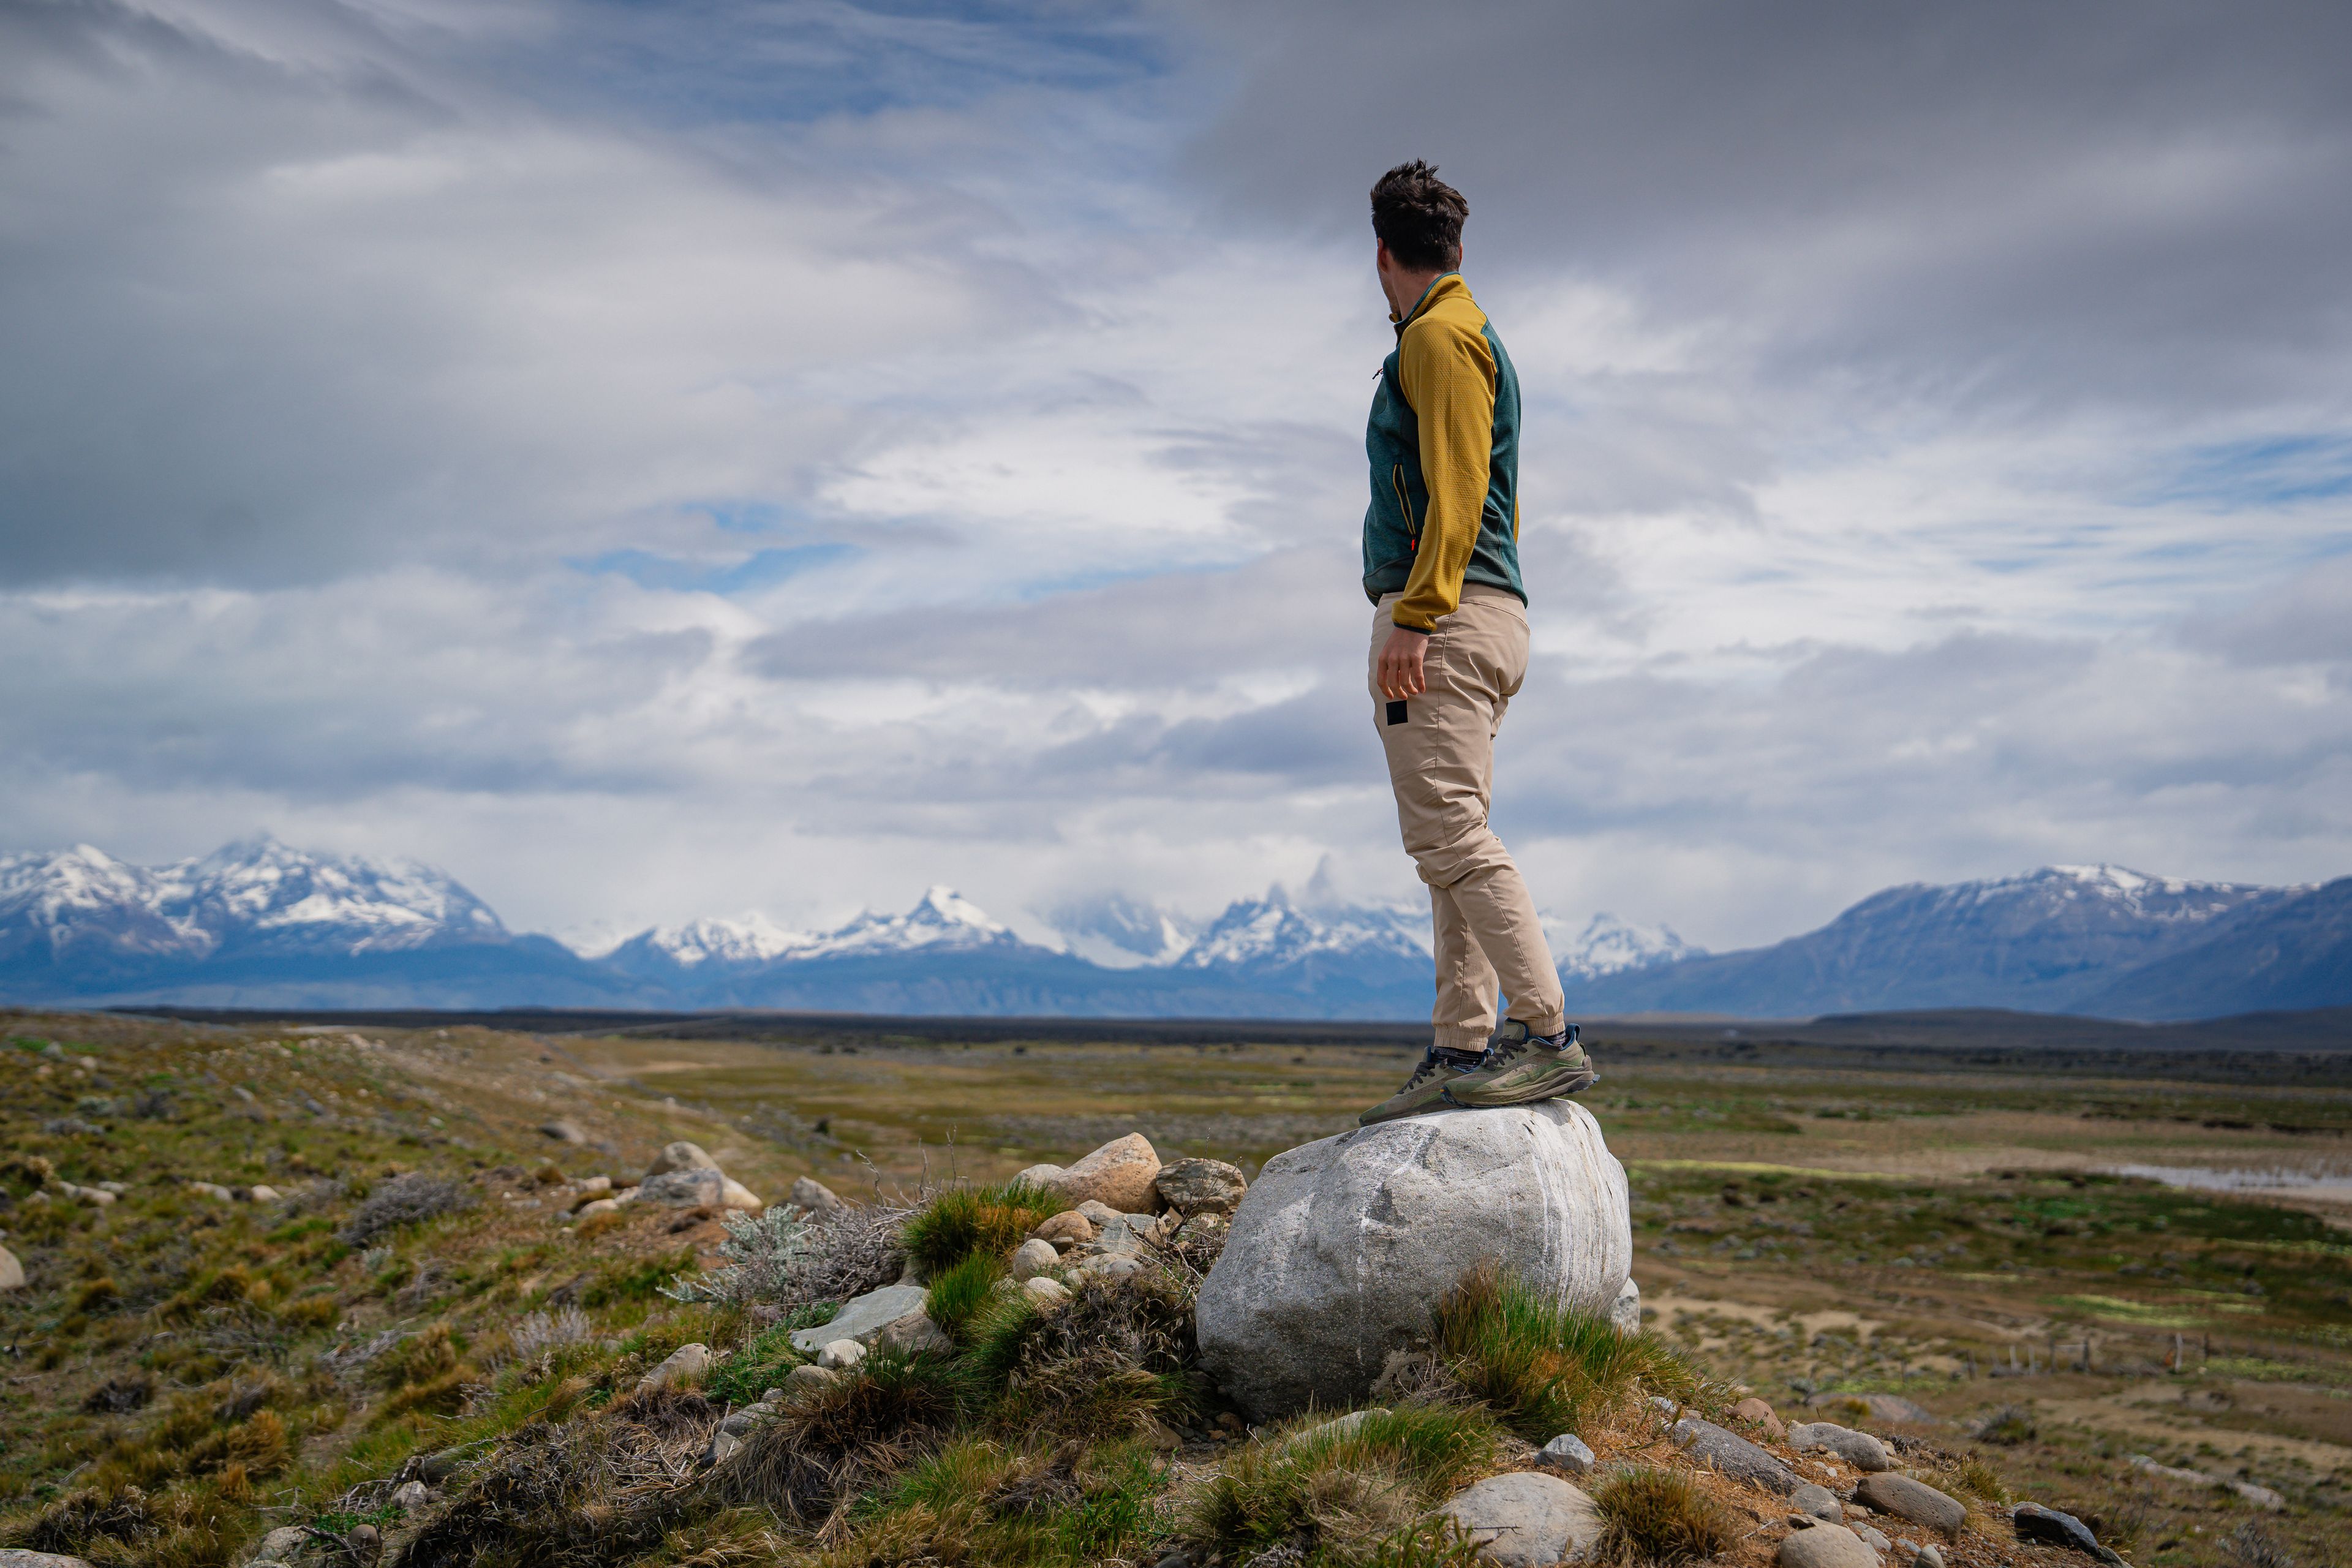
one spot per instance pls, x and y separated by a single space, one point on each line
1449 651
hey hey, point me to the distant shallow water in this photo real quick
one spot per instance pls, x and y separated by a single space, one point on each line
2318 1184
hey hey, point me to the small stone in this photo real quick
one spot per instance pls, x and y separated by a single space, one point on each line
1915 1500
563 1132
364 1543
803 1380
913 1334
1873 1535
1625 1311
1826 1546
1033 1258
1068 1228
724 1445
1860 1449
1201 1186
693 1186
1121 1173
1046 1292
812 1196
17 1557
1927 1556
1733 1454
262 1195
1037 1176
12 1273
283 1543
213 1190
1568 1454
410 1496
683 1364
597 1206
1099 1213
772 1396
734 1195
839 1356
1818 1502
680 1156
1526 1520
1755 1413
1108 1266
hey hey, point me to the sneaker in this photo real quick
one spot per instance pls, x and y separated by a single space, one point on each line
1425 1089
1523 1068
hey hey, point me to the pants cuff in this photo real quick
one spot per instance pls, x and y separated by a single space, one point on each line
1548 1024
1458 1038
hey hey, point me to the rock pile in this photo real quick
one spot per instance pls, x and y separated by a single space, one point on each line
683 1175
1338 1252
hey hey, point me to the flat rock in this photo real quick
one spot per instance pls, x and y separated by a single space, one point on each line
804 1380
283 1544
562 1132
1860 1449
1201 1186
1826 1546
691 1188
839 1356
1031 1258
597 1206
1875 1538
1046 1292
1569 1454
1121 1173
1734 1456
12 1273
681 1365
1338 1250
1099 1213
861 1318
1526 1519
913 1334
1819 1501
17 1557
812 1196
680 1156
1757 1411
1915 1500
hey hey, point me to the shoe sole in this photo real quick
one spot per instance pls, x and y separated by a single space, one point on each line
1532 1094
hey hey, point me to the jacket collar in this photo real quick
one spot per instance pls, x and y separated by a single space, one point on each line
1444 286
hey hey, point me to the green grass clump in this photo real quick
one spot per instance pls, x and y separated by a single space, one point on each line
1349 1490
1543 1369
962 1221
757 1365
979 1501
1654 1516
959 1297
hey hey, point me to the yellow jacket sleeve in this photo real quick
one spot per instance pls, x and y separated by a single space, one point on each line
1447 373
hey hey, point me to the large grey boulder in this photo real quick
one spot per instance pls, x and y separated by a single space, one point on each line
1526 1520
693 1187
1339 1251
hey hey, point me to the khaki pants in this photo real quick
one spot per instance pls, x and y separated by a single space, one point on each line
1440 753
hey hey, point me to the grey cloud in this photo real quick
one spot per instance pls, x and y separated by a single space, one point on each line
2027 205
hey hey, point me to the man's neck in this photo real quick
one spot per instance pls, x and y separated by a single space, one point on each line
1406 288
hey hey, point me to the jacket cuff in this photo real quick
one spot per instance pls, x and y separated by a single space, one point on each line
1417 631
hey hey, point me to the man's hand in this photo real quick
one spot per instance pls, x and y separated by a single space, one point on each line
1399 674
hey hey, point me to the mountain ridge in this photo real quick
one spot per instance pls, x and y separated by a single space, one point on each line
258 922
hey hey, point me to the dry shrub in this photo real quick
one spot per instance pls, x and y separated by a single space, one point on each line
261 1445
1657 1516
403 1200
121 1395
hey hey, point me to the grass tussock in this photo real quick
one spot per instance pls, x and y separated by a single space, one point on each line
1343 1493
960 1295
1116 1358
832 1442
1658 1516
962 1221
1543 1369
978 1500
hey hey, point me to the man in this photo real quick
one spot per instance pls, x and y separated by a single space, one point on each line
1449 650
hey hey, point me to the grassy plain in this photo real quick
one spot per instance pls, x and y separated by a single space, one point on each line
1811 1226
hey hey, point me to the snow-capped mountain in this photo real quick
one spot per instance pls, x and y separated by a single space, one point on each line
1607 945
1119 933
261 924
256 893
2045 941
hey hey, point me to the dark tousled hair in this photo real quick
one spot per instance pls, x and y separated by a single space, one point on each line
1419 216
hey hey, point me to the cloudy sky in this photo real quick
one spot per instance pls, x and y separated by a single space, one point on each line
672 459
